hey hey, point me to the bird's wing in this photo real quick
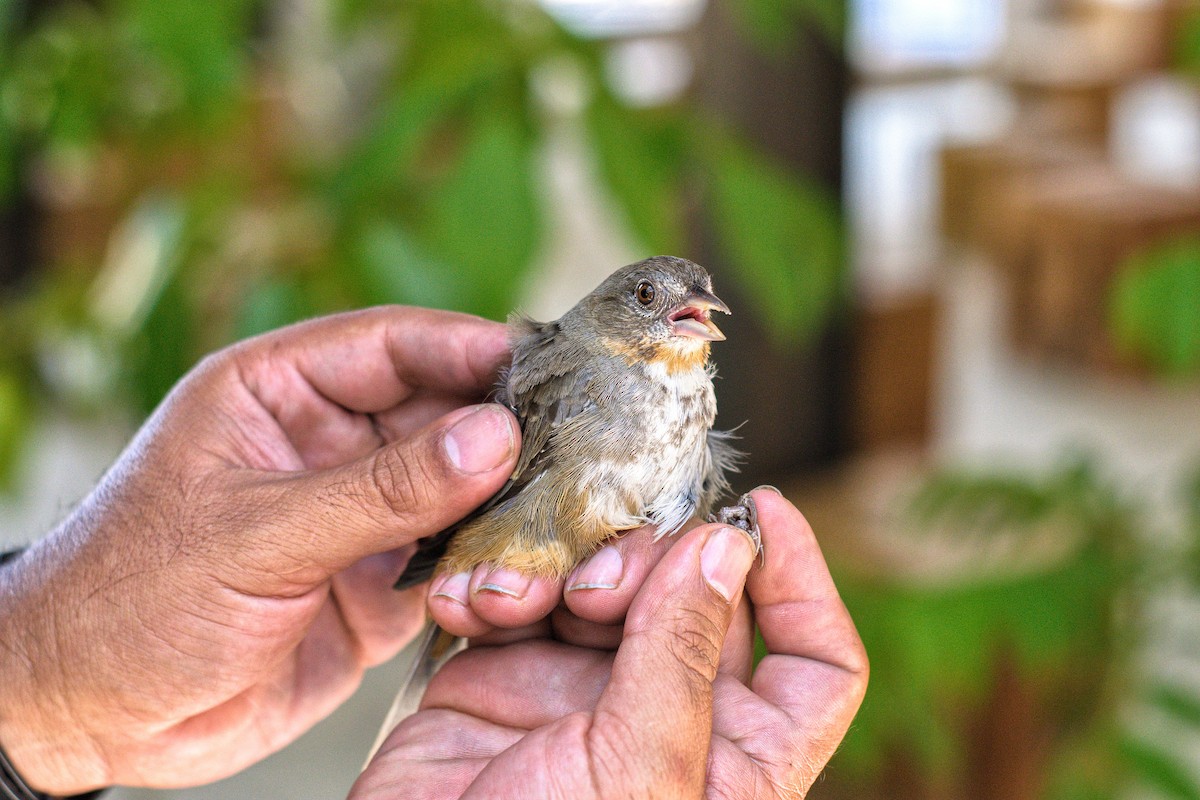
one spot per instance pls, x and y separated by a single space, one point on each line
544 387
543 390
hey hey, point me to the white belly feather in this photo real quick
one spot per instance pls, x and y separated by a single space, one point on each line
661 483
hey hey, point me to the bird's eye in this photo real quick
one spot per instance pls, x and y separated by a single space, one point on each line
644 293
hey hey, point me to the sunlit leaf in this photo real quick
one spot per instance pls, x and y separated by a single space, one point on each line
143 254
142 302
780 233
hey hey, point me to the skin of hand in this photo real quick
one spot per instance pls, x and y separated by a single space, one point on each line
645 689
229 580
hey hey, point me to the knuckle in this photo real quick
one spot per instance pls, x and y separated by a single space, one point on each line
401 483
859 664
694 641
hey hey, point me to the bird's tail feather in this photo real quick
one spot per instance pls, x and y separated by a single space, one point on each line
433 648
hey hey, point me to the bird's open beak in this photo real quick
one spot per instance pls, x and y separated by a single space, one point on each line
691 318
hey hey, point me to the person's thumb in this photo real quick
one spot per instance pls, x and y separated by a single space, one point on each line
662 679
321 522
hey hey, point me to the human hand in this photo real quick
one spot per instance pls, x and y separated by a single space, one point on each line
549 711
229 580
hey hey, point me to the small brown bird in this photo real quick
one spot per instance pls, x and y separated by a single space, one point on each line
616 405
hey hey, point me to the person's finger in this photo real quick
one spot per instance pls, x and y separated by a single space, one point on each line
473 603
569 628
421 409
450 605
797 606
498 683
318 385
736 655
499 636
368 361
805 692
378 618
662 675
295 530
601 588
506 598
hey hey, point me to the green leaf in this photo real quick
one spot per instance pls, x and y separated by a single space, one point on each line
1182 706
63 84
270 305
1163 771
164 349
1155 306
392 267
200 48
780 233
409 116
144 254
482 219
640 155
16 412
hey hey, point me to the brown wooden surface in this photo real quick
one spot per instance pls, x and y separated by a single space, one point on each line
894 348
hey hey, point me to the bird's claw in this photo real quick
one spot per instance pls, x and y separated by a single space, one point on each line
743 516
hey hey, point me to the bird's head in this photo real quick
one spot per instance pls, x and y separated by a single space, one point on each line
656 310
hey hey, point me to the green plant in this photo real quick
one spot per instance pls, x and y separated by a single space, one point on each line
1155 308
391 154
1021 677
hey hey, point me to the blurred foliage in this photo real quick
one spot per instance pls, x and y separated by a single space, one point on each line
1156 306
1187 45
775 23
1036 658
206 171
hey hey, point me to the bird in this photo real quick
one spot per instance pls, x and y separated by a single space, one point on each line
616 405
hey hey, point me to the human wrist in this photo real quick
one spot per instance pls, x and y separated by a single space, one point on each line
46 747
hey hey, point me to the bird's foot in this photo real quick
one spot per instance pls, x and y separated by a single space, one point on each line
743 516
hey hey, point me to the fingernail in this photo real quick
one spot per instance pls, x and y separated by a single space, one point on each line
601 571
453 587
725 560
768 487
480 441
507 582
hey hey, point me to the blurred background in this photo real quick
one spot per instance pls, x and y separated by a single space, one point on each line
961 238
